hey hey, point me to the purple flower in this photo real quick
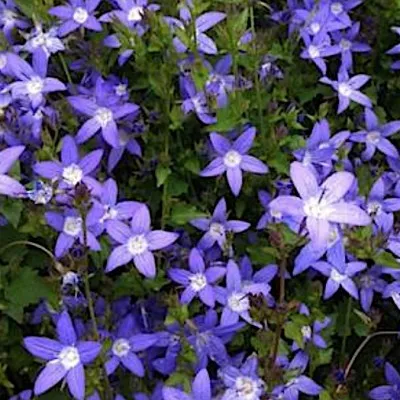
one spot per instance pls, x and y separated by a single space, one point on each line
369 283
25 395
10 19
138 243
198 281
243 382
195 101
347 89
107 210
339 273
131 13
375 136
233 158
395 49
393 291
76 14
70 226
348 45
32 83
291 390
41 193
71 170
9 186
201 389
320 148
217 227
125 345
209 339
104 116
321 205
391 391
317 48
202 24
235 297
65 358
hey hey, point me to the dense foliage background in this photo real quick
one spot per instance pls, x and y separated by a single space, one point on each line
182 95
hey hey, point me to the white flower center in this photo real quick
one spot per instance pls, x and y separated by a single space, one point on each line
307 159
80 15
72 226
336 8
238 302
344 89
216 230
315 27
373 137
246 388
276 214
69 357
109 213
313 51
198 281
103 116
137 245
121 347
70 278
120 90
72 174
314 207
232 159
345 44
366 281
306 332
9 16
374 207
3 61
38 40
35 85
337 276
135 14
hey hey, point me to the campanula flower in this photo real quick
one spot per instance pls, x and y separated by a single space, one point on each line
376 136
198 281
320 205
217 227
347 89
11 19
395 49
76 14
9 186
201 389
65 358
70 225
137 243
370 282
391 390
232 159
295 386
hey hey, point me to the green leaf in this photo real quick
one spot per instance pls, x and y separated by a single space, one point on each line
25 289
176 186
386 259
325 396
12 210
162 173
182 213
293 331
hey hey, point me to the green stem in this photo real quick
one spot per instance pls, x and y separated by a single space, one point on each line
108 395
256 76
32 244
65 68
359 350
346 327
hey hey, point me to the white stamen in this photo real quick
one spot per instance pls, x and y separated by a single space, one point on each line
72 226
72 174
137 245
198 282
232 159
336 8
135 14
313 51
337 276
373 137
80 15
35 85
344 89
103 116
69 357
238 302
121 347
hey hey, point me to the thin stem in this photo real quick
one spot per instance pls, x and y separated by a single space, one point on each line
256 76
65 68
32 244
88 295
360 349
279 327
346 327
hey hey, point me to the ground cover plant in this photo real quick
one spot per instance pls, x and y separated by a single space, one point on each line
199 199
